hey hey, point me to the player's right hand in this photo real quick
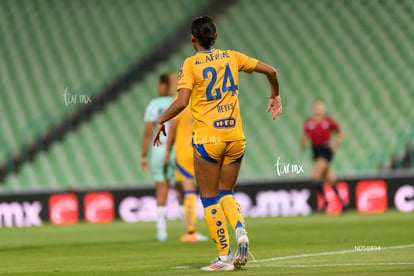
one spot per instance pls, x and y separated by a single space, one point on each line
160 128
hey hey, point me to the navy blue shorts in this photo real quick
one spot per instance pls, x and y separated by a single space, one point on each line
323 151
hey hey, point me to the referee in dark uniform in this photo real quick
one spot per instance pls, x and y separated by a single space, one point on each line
318 129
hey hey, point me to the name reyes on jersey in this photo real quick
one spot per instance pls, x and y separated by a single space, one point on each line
225 107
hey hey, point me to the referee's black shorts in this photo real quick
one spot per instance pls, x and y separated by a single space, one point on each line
323 151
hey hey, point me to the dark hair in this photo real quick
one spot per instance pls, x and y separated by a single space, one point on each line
204 30
164 79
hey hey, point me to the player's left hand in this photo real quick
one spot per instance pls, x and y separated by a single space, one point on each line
160 128
275 105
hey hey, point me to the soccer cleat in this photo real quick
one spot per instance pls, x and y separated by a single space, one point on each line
194 237
161 236
242 252
220 264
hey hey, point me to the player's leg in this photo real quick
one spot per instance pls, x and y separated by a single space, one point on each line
207 172
179 190
190 212
185 172
330 177
190 200
158 169
318 177
228 177
161 192
180 197
229 174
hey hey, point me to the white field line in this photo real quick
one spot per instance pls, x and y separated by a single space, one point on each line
329 253
254 262
331 265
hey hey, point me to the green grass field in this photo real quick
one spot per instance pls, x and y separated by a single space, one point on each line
314 245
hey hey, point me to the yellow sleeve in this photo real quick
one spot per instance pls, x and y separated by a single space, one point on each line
246 63
186 75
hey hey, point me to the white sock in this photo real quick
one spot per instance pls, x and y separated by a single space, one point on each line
226 258
161 218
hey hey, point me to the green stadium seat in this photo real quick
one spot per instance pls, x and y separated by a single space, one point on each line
355 55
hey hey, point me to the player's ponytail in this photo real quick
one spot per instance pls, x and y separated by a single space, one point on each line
204 30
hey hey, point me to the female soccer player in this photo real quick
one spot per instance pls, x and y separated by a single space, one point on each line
210 79
318 129
180 136
161 172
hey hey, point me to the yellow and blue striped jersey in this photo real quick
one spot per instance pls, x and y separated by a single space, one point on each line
212 75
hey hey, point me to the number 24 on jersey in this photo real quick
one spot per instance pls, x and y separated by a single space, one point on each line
227 85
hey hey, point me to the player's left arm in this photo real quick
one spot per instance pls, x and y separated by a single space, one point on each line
339 139
146 140
248 64
339 135
275 102
175 108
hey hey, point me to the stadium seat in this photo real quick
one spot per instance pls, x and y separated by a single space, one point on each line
355 55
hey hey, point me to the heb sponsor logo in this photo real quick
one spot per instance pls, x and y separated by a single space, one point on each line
371 196
63 209
99 207
404 198
20 214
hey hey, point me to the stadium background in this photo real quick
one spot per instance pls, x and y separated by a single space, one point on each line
76 77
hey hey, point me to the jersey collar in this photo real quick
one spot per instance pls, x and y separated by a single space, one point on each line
207 51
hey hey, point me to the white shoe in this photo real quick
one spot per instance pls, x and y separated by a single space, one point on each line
242 252
223 263
201 237
161 236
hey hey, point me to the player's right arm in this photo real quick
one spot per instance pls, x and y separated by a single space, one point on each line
304 138
303 141
175 108
184 86
170 139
